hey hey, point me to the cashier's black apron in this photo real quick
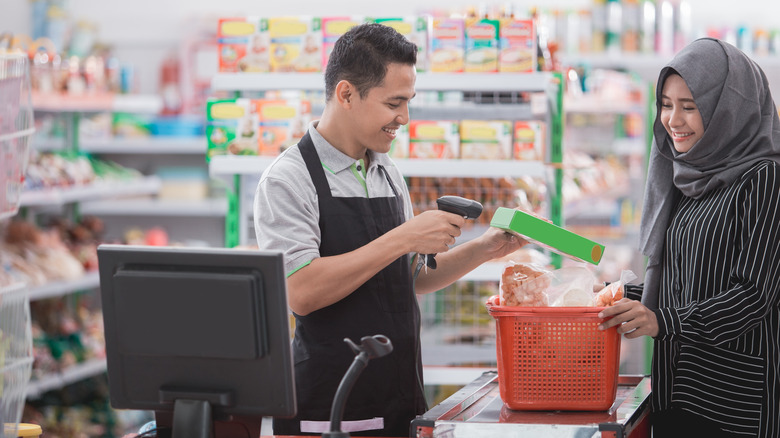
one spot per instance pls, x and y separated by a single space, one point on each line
389 387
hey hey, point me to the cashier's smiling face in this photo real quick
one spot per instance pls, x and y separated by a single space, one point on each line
679 114
384 109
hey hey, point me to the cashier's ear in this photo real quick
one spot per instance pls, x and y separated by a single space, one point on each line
345 92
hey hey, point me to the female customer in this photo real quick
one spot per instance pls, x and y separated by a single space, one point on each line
711 232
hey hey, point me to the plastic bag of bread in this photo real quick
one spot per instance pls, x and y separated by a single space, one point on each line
614 291
572 287
524 284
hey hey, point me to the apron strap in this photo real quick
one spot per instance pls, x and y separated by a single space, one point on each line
313 164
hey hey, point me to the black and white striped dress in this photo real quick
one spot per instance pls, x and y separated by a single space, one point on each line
718 350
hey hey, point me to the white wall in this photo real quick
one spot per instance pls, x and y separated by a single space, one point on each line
144 31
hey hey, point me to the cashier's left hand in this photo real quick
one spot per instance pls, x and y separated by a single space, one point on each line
633 318
498 243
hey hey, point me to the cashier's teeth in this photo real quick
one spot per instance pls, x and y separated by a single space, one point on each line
389 131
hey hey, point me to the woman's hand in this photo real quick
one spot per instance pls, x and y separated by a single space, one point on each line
632 317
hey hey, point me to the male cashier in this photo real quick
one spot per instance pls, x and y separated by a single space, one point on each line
339 209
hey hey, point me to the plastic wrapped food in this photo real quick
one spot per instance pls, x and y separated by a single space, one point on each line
614 292
524 284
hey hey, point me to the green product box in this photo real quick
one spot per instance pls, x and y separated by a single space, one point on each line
548 235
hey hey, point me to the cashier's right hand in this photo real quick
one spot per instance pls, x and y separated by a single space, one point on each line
430 232
633 318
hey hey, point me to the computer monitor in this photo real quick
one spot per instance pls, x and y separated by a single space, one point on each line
199 336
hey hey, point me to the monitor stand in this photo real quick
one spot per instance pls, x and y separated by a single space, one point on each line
193 416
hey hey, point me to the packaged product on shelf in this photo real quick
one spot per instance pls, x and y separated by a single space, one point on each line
399 148
296 44
647 26
447 45
599 17
231 127
629 41
529 140
664 44
481 43
416 30
517 45
281 123
243 44
434 139
614 26
486 139
183 182
332 29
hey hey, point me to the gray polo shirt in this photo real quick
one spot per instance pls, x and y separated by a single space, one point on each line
286 211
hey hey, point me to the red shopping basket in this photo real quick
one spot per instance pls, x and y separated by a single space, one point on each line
555 358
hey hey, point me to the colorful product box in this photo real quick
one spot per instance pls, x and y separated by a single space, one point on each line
547 235
481 42
416 30
486 139
399 148
447 45
231 127
296 44
529 140
332 29
517 46
434 139
282 123
243 45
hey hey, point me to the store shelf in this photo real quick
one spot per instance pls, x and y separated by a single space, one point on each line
101 102
602 106
471 110
156 207
91 280
145 145
73 374
226 165
642 61
487 82
105 189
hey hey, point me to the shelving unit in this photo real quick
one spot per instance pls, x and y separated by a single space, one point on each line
68 376
60 196
546 103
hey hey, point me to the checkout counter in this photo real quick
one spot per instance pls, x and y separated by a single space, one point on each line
476 410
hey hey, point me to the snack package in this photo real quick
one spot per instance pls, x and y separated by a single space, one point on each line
524 284
244 44
434 139
282 122
447 45
486 139
614 292
296 44
481 45
518 46
231 127
529 140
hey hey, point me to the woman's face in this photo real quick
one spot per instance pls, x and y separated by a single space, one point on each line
679 114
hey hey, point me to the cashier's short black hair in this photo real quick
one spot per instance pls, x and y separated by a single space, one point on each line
362 54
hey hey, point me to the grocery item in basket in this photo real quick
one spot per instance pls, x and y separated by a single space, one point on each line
614 292
524 284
